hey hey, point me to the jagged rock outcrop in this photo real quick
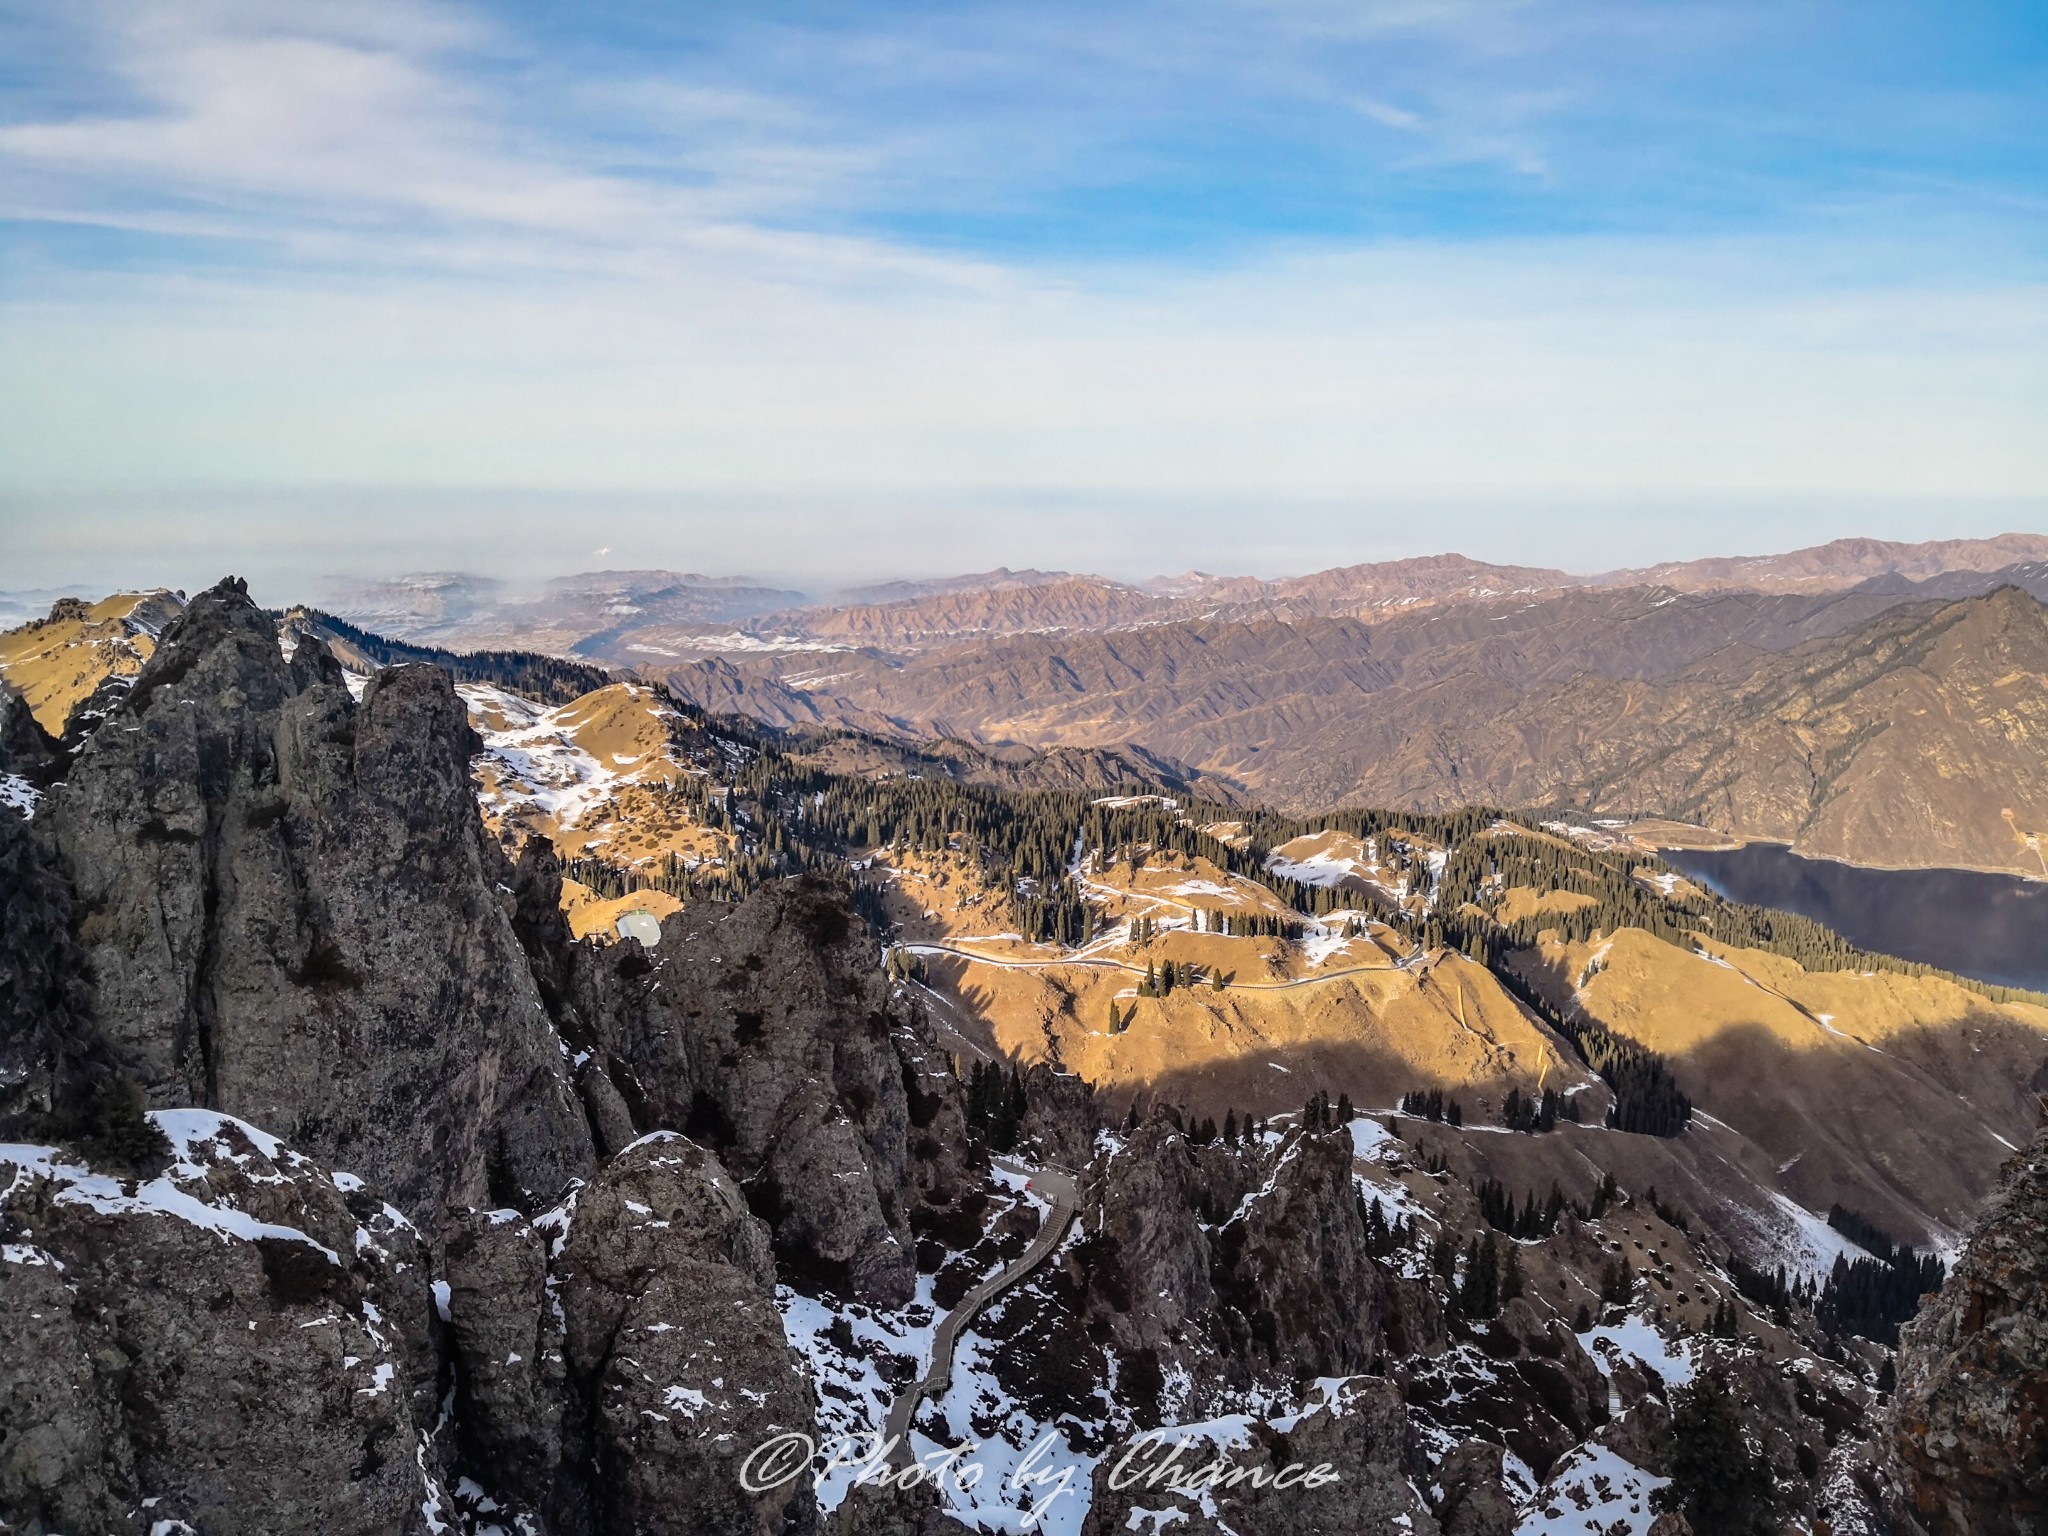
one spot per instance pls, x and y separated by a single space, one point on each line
27 751
617 1357
1472 1497
1550 1360
289 911
1300 1274
1146 1265
240 1343
53 1062
247 1342
1225 1267
1343 1465
766 1031
667 1284
1969 1437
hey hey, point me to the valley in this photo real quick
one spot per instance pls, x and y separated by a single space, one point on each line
1489 1128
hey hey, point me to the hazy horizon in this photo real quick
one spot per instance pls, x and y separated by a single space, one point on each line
294 573
1264 287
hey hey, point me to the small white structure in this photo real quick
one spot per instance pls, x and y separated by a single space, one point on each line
642 925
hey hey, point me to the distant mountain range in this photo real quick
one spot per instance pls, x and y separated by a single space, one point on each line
1872 701
638 613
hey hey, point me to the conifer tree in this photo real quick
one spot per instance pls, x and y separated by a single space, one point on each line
1717 1481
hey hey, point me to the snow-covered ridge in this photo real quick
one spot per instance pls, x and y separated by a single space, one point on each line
565 760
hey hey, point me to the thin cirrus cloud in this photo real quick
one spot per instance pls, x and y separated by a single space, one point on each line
1180 260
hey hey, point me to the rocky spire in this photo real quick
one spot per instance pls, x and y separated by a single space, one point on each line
291 914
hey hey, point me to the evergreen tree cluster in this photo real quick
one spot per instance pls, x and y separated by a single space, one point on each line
1491 1279
1536 1114
902 965
1527 1220
549 679
1383 1237
1431 1105
1871 1298
1205 1131
1618 1283
1768 1289
1247 925
1647 1098
1719 1482
1726 1323
1318 1114
1162 978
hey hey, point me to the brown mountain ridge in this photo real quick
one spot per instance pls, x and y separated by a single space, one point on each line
1847 725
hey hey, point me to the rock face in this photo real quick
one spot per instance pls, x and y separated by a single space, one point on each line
27 751
53 1062
1970 1432
619 1356
766 1031
289 909
1342 1466
242 1341
1299 1272
675 1348
250 1343
1226 1268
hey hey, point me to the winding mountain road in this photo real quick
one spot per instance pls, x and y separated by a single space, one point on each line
1056 1184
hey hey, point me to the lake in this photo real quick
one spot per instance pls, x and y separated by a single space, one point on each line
1992 927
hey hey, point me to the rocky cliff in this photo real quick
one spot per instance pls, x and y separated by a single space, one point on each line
1215 1271
249 1342
290 914
1969 1445
767 1031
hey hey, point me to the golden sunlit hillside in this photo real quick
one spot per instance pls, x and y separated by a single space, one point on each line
1903 1090
56 663
604 776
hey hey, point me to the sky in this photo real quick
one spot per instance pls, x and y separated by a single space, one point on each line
831 293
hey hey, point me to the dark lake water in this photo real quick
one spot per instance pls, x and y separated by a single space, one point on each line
1992 927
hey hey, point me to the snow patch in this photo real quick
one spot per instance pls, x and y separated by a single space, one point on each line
1637 1338
18 794
165 1195
1592 1492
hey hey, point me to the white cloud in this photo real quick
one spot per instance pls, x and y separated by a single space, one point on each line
451 292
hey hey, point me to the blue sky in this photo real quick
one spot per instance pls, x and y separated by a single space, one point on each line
817 291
